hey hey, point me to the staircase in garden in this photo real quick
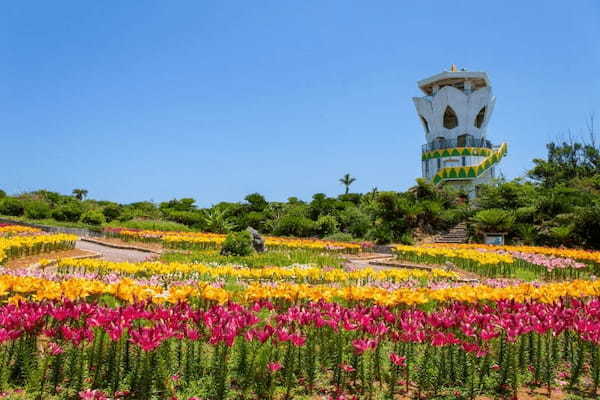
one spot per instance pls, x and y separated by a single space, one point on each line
458 234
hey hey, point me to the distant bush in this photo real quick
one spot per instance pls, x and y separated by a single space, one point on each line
11 206
37 209
381 234
2 194
188 218
340 237
93 217
355 222
237 244
326 225
112 211
69 212
407 239
292 225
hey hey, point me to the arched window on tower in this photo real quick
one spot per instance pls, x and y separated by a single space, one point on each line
480 117
425 124
450 118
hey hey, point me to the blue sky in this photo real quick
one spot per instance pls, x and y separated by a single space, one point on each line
152 100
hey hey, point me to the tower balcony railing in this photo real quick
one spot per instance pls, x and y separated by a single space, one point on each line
459 142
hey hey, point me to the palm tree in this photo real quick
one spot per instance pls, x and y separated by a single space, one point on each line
347 180
80 194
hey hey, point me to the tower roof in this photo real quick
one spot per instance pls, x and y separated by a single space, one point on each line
454 77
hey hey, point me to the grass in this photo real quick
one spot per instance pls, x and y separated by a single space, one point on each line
277 258
53 222
151 224
157 225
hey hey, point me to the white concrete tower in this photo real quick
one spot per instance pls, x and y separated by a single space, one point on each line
454 112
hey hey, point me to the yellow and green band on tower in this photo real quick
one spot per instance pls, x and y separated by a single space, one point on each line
493 156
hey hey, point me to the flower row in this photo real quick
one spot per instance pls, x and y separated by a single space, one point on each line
20 246
297 274
575 254
9 229
497 261
146 351
204 240
15 288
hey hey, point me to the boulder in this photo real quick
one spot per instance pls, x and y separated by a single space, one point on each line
257 240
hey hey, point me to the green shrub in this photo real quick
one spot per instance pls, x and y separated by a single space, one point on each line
380 234
355 221
528 233
11 206
70 212
525 214
112 211
340 237
237 244
93 217
587 225
292 225
254 219
37 209
188 218
326 225
494 220
2 194
407 239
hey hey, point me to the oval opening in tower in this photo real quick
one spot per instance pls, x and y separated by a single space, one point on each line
479 118
425 124
450 118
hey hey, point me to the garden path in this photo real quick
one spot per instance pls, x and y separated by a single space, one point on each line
114 254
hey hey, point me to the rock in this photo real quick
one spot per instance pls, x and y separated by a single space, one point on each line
449 266
257 241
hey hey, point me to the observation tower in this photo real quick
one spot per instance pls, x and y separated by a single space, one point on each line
455 111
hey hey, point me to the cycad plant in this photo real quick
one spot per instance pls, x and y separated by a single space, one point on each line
217 222
494 220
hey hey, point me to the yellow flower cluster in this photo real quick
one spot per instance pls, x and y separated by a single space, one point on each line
267 273
576 254
18 246
174 239
443 252
17 229
14 288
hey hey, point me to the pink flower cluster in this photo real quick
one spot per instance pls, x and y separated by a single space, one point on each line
549 262
470 326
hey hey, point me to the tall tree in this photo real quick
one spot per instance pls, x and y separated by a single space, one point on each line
347 180
80 194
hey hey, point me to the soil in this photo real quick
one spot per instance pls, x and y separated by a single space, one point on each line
27 261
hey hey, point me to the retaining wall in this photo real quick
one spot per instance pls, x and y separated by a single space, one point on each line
56 229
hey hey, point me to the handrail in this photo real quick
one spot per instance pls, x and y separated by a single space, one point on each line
470 171
451 143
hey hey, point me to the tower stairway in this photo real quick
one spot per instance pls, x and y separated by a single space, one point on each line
457 234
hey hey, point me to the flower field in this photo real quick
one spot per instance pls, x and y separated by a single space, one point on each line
203 240
9 230
507 261
22 241
95 329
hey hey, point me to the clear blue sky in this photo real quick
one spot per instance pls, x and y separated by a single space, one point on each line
150 100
